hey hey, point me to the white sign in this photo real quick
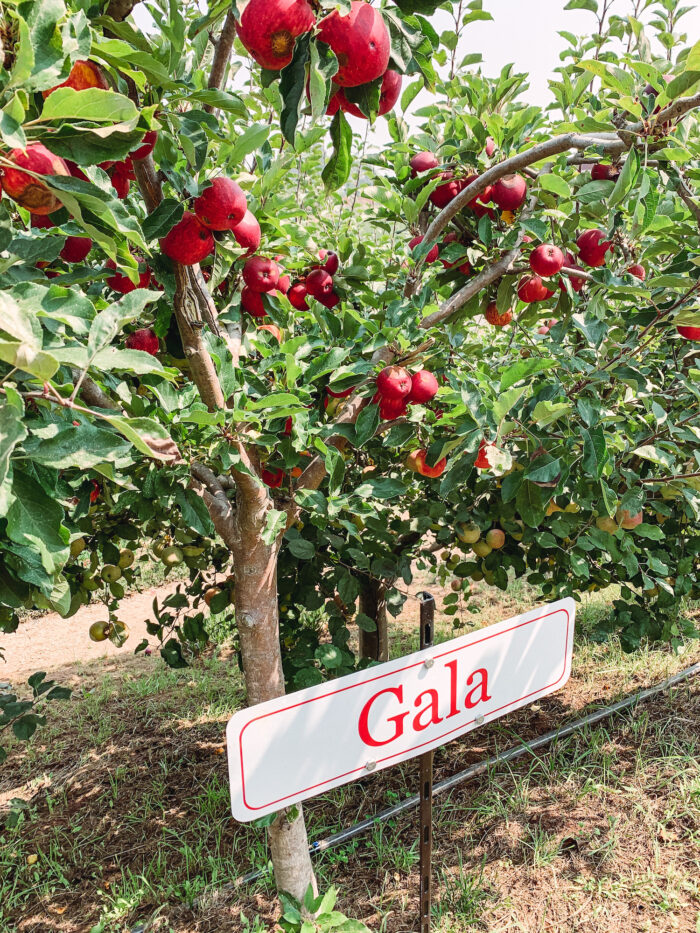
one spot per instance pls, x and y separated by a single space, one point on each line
303 744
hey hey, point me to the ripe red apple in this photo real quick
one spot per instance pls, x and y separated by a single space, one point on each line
147 145
389 94
509 192
394 382
346 393
360 41
252 302
76 248
40 222
76 171
260 274
27 191
332 263
592 247
424 387
277 334
626 519
284 284
268 30
123 284
273 478
490 147
319 284
297 297
145 340
603 172
391 408
221 206
688 331
447 192
121 180
533 289
423 162
333 106
416 463
576 282
432 255
495 538
83 74
497 320
482 462
546 260
247 232
189 241
638 271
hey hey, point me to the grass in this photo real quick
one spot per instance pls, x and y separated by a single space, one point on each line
130 814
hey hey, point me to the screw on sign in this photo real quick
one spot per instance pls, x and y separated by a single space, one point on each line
303 744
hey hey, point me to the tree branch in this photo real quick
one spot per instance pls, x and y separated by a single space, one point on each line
220 508
222 54
120 9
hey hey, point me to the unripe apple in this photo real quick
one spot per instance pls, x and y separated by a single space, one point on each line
360 41
605 523
29 192
432 254
111 573
126 558
261 274
495 538
268 30
222 205
77 547
424 387
468 533
592 247
211 593
423 162
172 556
481 548
247 233
394 382
638 271
84 74
509 192
496 319
546 260
456 586
100 631
145 340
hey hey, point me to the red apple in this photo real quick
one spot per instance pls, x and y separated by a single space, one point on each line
688 331
145 340
252 302
360 41
416 462
76 248
603 172
147 145
121 180
222 205
592 247
448 191
490 146
268 29
332 263
424 387
390 90
577 283
260 274
29 192
247 233
297 297
394 382
533 289
319 284
638 271
123 284
391 408
546 260
497 320
189 241
40 222
330 300
432 254
482 462
423 162
273 478
277 334
83 74
509 192
284 284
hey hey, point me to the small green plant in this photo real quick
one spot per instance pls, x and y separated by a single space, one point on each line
318 914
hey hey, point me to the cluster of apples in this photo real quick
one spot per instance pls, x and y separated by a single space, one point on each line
508 193
359 39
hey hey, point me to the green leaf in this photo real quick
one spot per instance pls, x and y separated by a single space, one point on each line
92 104
12 431
34 520
525 368
556 184
595 451
546 413
505 401
84 447
24 357
384 488
249 141
330 656
301 548
293 88
168 213
531 504
138 430
337 170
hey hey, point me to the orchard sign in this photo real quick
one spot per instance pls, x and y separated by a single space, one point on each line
297 746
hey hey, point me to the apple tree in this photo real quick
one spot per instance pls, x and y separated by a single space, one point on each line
235 349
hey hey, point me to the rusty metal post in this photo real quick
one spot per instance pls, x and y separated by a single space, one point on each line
427 620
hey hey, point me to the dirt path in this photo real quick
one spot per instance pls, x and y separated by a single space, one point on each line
62 647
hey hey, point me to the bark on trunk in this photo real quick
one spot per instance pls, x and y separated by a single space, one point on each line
255 569
374 645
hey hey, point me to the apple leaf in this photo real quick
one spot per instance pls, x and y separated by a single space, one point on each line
293 87
337 170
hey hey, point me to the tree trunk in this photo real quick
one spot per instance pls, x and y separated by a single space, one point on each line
374 645
255 570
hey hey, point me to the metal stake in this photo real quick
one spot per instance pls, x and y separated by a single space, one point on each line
427 618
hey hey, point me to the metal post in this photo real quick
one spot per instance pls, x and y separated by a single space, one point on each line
427 619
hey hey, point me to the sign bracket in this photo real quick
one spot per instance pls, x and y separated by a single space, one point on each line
427 622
